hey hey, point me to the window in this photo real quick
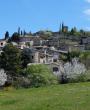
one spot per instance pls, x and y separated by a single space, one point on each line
55 69
54 60
1 44
32 57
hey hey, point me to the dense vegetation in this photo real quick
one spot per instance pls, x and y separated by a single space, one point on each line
84 57
10 60
40 75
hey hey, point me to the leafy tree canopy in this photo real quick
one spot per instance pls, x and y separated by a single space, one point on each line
10 59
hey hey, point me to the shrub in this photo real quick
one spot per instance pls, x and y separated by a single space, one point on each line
21 82
3 77
78 78
85 58
40 75
74 71
88 75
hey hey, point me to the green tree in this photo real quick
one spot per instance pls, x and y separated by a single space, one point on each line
72 31
15 37
24 33
19 30
25 57
10 60
69 56
6 35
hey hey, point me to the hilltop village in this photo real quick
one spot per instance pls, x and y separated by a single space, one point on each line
47 47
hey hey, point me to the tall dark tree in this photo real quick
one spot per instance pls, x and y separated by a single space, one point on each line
15 37
6 35
25 57
24 32
72 31
19 30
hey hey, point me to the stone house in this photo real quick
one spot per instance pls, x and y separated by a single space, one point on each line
33 55
28 41
53 41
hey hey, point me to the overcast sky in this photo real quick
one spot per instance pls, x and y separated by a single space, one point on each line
34 15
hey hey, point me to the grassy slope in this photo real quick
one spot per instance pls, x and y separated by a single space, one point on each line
60 97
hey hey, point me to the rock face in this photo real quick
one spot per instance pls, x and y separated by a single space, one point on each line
3 77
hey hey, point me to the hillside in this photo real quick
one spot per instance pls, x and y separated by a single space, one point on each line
59 97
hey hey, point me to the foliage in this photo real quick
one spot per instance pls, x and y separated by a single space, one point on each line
74 54
27 44
78 78
6 35
85 55
15 37
25 57
44 34
21 82
74 71
70 56
63 57
3 77
85 58
40 75
10 59
74 68
88 75
75 32
72 31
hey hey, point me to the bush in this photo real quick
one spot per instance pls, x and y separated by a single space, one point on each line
85 58
40 75
88 75
21 82
78 78
3 77
74 71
